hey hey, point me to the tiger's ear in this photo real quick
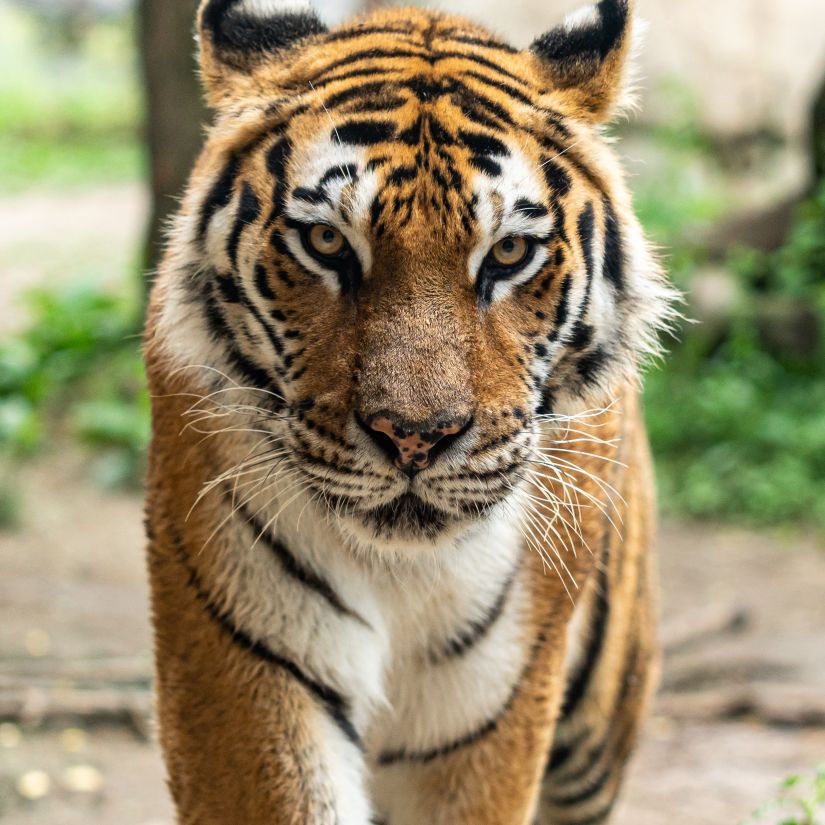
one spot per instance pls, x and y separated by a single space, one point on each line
238 36
587 56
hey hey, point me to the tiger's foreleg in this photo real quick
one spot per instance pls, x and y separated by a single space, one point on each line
248 737
613 673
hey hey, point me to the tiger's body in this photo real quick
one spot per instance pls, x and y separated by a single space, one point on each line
400 505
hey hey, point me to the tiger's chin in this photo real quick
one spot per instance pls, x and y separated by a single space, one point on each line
406 525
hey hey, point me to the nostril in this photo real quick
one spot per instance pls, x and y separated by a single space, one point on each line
381 440
448 436
413 447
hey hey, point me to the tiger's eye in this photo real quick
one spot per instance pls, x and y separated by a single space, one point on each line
326 240
510 251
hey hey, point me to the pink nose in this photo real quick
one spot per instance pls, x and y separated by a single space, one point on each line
410 449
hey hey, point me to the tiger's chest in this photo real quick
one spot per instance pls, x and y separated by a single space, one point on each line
422 651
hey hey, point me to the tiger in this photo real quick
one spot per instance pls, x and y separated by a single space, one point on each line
400 506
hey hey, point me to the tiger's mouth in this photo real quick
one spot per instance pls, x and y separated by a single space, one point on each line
407 515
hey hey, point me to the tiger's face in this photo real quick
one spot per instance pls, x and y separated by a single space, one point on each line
408 244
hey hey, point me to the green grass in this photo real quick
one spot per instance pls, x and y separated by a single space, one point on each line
69 116
800 800
77 368
736 424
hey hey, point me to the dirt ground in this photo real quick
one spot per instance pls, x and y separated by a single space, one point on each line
741 706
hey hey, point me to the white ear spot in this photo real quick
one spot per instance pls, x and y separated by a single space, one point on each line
268 8
582 18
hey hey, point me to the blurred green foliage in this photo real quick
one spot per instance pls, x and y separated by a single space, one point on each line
76 369
69 114
736 419
800 801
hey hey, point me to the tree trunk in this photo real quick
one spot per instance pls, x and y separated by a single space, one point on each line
818 134
175 112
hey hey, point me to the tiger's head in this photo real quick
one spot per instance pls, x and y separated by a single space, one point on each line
408 243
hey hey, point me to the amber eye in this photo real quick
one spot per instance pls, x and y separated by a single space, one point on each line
511 251
326 240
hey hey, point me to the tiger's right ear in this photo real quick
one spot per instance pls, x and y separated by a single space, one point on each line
237 37
587 57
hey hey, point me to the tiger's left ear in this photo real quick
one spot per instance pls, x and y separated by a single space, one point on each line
587 56
238 36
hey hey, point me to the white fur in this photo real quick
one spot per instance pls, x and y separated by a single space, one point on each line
349 203
583 18
343 775
498 217
268 8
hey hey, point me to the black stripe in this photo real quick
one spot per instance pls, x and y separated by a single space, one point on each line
313 196
249 211
586 229
481 61
271 334
364 31
354 92
481 144
277 160
423 757
591 364
595 753
371 72
598 818
364 132
563 306
472 635
228 288
578 685
262 283
581 336
401 175
556 121
366 54
485 43
334 702
586 793
504 88
561 754
557 179
472 97
220 194
251 372
613 248
295 568
347 171
570 159
530 209
489 167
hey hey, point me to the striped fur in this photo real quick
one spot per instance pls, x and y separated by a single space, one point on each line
338 641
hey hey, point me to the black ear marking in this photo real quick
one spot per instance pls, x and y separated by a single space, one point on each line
233 29
590 42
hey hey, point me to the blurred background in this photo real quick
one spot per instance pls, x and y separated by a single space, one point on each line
99 121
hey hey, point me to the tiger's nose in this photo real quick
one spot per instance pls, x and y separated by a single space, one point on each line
413 447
